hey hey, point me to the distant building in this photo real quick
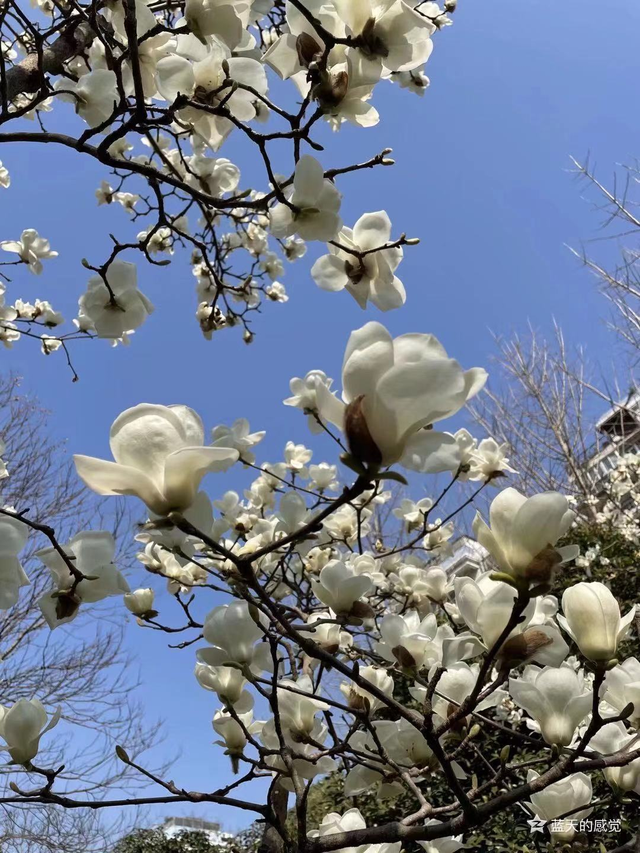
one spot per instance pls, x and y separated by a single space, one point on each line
467 560
174 826
618 433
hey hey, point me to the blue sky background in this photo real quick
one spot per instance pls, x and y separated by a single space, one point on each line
482 177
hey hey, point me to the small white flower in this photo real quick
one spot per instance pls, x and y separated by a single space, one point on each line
32 249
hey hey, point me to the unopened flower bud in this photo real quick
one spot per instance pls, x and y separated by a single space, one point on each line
139 602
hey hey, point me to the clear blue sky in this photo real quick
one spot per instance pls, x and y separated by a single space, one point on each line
482 177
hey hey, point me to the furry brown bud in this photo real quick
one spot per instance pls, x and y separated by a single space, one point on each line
524 646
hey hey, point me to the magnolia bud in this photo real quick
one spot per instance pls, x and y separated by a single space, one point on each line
523 646
139 602
308 49
359 439
543 566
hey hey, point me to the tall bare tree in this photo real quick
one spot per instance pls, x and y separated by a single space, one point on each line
86 671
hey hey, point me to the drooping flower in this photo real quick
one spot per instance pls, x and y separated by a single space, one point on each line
556 697
92 553
159 457
22 726
114 306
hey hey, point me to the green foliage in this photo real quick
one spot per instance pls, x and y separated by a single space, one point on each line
154 841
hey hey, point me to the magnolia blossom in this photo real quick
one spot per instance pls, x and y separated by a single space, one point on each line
228 682
557 698
413 513
315 203
13 538
22 726
340 588
360 698
32 249
348 822
239 437
233 630
390 33
486 606
613 737
114 306
448 844
298 712
159 458
94 95
232 732
622 686
363 266
524 532
92 553
329 635
592 620
392 390
140 601
453 687
5 177
408 640
567 795
304 396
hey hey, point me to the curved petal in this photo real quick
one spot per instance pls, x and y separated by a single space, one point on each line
372 230
431 452
109 478
185 468
329 273
174 76
330 408
368 356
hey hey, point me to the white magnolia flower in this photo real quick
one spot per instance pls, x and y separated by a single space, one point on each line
5 177
32 249
489 459
232 732
557 698
228 682
415 81
159 457
92 553
226 19
323 477
94 95
315 204
297 712
140 601
238 436
559 798
413 512
407 639
391 33
22 726
233 631
391 391
330 635
339 587
13 538
348 822
296 457
276 292
360 698
304 397
363 267
115 307
454 686
306 764
622 686
592 619
522 529
613 737
216 174
447 844
486 605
